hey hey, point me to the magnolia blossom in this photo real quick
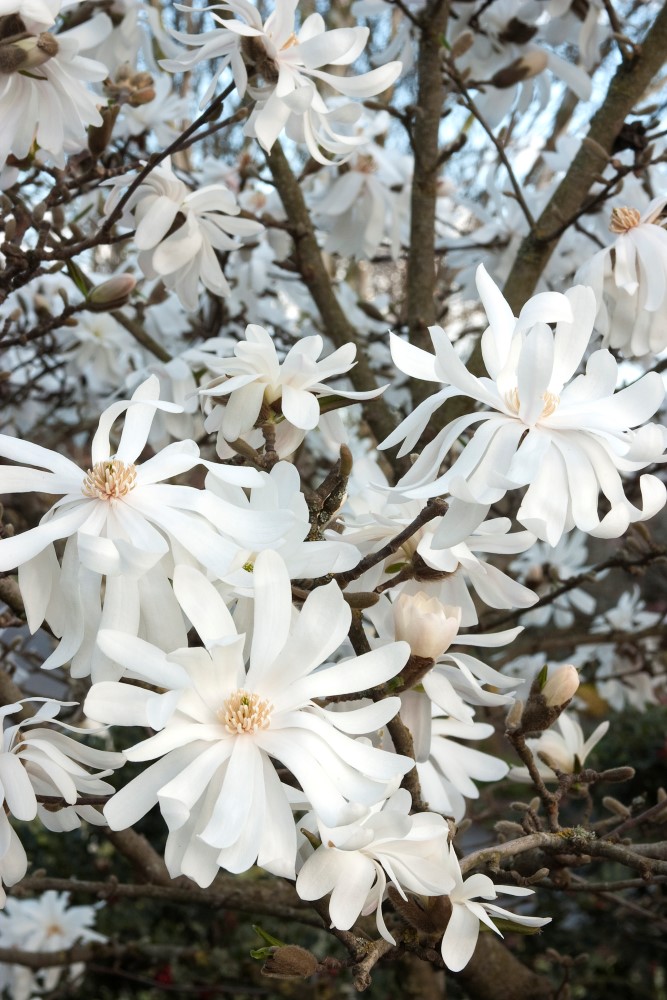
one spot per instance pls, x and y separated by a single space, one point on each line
221 726
280 68
354 861
567 749
44 97
304 558
629 279
366 203
45 924
262 389
178 231
447 767
425 623
627 673
445 557
38 760
544 568
120 521
460 938
566 439
505 56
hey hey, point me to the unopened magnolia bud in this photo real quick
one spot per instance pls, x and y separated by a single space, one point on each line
426 624
526 66
548 697
616 807
462 44
290 962
361 599
28 53
561 686
111 294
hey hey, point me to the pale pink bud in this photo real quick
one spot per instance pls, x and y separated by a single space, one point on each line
426 624
561 686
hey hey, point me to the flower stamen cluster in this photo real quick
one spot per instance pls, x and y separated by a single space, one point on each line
245 712
110 480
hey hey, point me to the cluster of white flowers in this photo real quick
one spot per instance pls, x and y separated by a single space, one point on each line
278 634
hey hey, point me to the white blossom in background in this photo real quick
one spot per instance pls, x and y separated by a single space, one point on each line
47 923
462 932
221 726
179 230
280 68
288 391
163 117
44 89
629 279
363 206
120 520
508 57
567 748
355 862
567 439
629 673
545 568
569 20
101 351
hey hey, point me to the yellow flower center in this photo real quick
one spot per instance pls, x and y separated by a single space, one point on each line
624 219
551 401
244 712
110 480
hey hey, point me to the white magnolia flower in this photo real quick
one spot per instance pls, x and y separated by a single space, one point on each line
566 439
304 558
163 116
364 204
280 69
446 767
355 861
221 725
445 557
120 520
45 924
178 231
38 760
460 938
255 380
44 96
629 279
100 349
567 749
631 672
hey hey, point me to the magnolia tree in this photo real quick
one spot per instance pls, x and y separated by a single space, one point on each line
331 397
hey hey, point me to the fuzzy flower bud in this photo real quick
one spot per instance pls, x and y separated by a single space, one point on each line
111 294
561 686
528 65
429 626
548 697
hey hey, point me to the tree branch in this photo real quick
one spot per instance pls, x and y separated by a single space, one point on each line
627 87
